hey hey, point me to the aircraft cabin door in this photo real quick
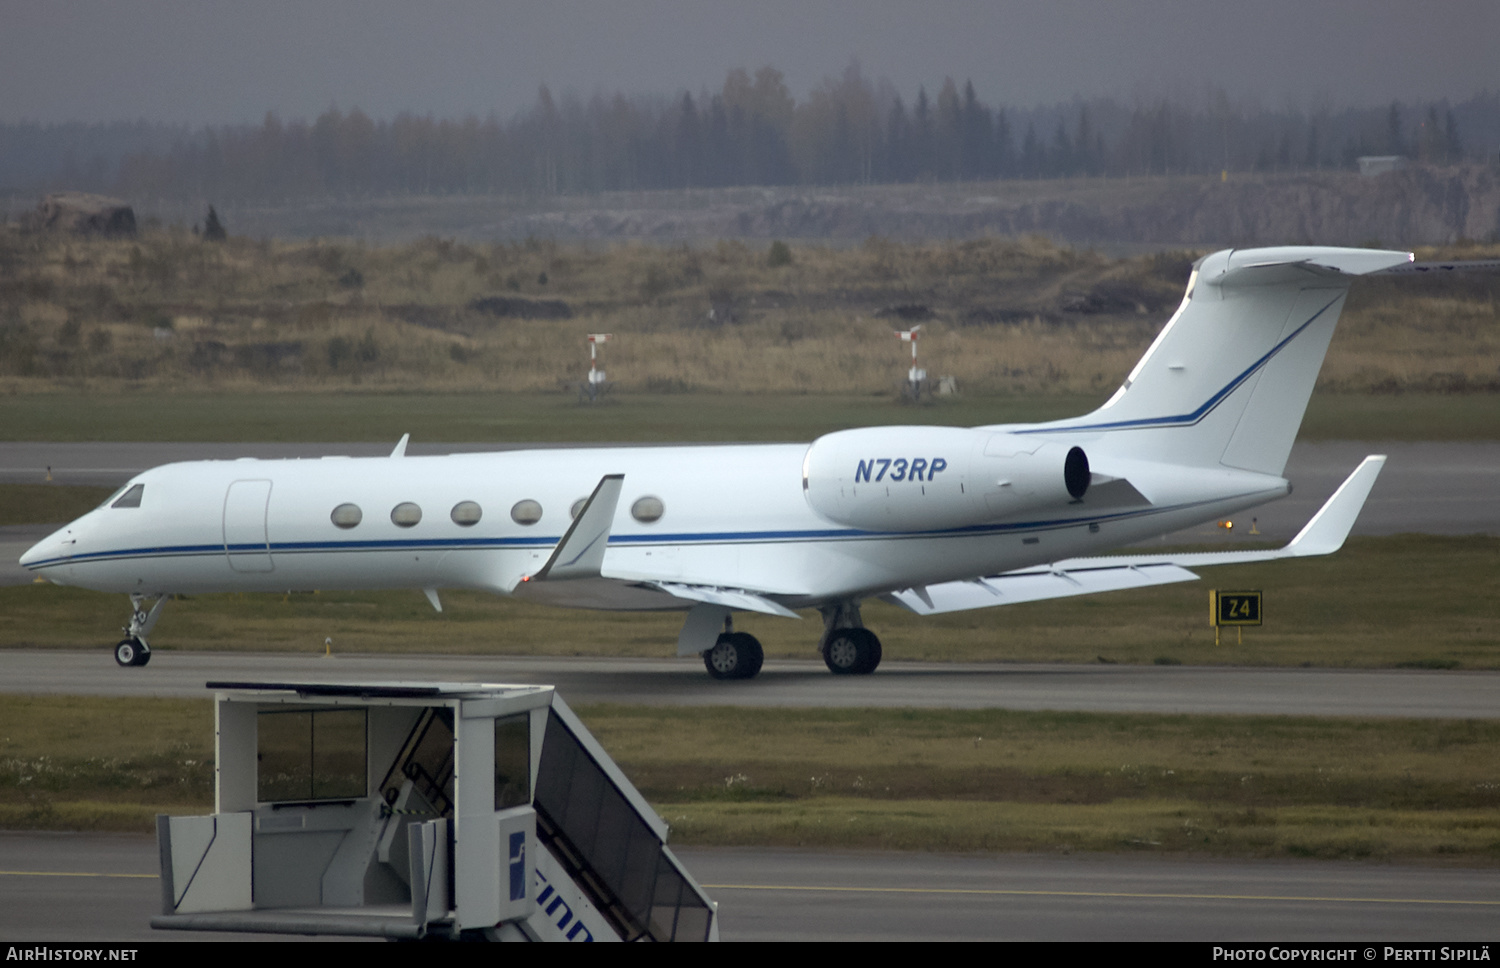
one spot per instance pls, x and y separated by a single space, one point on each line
245 541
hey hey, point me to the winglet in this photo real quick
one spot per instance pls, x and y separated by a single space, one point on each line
400 450
580 553
1325 533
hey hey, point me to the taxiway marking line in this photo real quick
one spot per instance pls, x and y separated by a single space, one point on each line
1124 894
70 874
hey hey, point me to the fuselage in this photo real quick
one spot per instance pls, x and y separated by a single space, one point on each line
728 516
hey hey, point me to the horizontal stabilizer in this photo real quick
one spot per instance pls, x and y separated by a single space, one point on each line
1330 527
1438 268
580 553
1323 535
1035 584
733 598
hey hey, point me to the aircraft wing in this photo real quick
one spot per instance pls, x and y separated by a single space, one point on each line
579 557
1322 535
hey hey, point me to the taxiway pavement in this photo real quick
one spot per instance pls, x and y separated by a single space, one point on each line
94 887
1204 690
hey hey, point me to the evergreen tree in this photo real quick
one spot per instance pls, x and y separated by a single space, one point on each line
213 229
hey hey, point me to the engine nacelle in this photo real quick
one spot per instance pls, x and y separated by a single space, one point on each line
933 478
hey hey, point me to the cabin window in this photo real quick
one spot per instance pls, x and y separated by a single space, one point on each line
647 509
577 507
405 515
526 512
346 516
131 498
466 514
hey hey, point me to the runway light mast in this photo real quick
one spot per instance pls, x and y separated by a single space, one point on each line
596 376
914 376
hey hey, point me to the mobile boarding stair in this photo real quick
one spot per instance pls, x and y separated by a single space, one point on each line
421 811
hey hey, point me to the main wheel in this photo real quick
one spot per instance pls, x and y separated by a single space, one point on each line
129 653
852 652
736 655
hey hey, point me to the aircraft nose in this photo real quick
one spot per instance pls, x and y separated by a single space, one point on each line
54 546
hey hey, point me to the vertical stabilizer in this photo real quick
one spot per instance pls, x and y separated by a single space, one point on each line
1228 378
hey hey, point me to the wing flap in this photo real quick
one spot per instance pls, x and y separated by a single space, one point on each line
1032 585
733 598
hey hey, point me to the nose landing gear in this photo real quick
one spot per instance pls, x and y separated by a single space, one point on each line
133 650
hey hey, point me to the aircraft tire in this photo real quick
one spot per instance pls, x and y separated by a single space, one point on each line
128 653
736 655
872 654
852 652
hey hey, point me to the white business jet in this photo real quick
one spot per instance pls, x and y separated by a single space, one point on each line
936 519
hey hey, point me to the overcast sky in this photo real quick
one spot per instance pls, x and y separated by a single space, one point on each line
224 61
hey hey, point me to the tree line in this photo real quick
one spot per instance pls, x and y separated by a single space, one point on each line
848 130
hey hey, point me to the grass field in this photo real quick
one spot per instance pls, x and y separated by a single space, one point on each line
168 313
644 418
902 779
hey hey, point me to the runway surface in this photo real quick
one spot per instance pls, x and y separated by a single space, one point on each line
1220 690
81 887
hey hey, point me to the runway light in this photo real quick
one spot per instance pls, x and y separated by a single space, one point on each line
1227 525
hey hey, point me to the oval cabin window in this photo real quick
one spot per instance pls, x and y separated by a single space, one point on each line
577 507
647 509
466 513
346 516
405 514
526 512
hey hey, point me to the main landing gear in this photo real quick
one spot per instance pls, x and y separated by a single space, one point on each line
133 650
848 648
851 652
736 655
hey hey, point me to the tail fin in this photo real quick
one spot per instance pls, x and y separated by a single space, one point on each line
1228 378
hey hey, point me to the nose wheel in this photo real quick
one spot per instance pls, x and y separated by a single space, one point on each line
132 652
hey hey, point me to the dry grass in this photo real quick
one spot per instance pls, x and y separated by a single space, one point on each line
1002 317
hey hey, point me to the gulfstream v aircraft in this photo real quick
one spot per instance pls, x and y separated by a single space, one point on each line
936 519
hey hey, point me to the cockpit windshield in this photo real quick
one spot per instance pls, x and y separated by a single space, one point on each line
128 496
